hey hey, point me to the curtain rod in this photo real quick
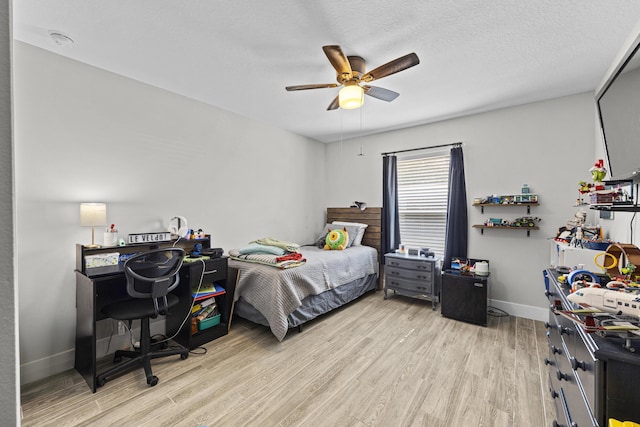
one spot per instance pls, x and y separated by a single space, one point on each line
454 144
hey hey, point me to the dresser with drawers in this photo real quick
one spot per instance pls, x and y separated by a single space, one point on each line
592 378
413 276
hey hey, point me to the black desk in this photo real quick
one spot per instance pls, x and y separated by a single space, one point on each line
93 292
100 286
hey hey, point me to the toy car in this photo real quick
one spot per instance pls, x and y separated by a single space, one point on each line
525 221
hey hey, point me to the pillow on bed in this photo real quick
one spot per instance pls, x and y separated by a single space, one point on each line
357 240
321 240
337 240
256 248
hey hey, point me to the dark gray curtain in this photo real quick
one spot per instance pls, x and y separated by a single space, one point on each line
457 224
390 238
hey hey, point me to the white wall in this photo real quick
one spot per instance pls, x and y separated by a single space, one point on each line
83 134
548 145
9 388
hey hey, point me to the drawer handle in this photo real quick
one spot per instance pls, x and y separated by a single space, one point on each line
395 273
548 293
564 330
562 376
555 350
575 364
554 393
548 362
547 325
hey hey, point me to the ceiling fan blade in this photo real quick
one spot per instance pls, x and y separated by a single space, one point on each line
380 93
317 86
334 104
392 67
339 61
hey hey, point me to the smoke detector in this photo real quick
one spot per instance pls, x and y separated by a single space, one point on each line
60 38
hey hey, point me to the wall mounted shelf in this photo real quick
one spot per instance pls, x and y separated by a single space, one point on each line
504 205
616 208
505 227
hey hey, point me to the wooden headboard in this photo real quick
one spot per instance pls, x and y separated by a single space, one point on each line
369 216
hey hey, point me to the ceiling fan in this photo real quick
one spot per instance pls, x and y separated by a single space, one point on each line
351 73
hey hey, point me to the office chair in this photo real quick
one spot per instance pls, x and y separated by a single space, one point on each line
150 278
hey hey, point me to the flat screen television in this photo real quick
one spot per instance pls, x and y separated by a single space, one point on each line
618 104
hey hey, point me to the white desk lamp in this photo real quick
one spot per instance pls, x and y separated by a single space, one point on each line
92 214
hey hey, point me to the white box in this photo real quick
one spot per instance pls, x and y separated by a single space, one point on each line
568 256
101 260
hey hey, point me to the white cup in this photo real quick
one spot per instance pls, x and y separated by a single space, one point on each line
111 239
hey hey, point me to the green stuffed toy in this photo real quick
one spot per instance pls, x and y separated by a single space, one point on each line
336 240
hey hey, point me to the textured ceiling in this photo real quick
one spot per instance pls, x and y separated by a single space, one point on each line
476 55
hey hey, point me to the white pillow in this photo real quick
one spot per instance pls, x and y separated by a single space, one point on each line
361 228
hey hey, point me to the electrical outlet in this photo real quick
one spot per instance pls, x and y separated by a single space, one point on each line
121 328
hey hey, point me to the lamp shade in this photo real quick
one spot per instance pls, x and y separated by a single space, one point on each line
351 97
92 214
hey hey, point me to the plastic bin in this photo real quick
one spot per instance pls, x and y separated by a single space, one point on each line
209 322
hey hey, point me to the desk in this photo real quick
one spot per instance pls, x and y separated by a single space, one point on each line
101 286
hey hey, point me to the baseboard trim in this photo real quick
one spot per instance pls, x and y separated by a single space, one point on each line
521 310
47 366
64 361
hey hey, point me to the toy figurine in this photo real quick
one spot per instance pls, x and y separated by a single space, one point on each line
598 172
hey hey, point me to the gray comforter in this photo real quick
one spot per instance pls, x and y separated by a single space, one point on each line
277 293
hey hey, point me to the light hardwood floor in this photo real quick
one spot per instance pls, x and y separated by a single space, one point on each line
372 363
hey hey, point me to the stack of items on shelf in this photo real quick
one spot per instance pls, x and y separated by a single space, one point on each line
579 234
602 192
204 313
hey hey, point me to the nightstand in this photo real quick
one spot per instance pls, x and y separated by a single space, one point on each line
465 297
413 276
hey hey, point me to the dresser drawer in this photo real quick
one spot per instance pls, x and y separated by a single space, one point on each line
584 363
401 273
410 264
409 285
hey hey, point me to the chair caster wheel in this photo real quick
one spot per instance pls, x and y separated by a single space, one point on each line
102 382
183 356
164 345
152 380
117 359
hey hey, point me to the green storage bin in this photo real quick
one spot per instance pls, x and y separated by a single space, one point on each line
209 322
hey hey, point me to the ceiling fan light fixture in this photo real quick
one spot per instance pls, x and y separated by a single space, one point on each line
351 97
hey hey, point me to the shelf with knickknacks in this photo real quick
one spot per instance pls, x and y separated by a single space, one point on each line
525 198
606 195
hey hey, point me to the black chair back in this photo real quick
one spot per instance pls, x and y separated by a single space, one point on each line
153 275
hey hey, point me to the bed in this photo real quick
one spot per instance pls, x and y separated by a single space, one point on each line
282 299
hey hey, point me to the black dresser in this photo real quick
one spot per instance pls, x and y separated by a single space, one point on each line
592 378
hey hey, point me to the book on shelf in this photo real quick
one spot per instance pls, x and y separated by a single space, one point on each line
205 313
207 290
202 304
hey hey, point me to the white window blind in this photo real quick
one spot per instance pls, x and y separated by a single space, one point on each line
423 189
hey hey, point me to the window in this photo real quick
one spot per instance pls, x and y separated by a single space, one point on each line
423 190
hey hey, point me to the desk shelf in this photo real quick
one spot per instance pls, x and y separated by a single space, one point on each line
216 271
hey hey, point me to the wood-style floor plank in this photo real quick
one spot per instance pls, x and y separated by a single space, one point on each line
375 362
